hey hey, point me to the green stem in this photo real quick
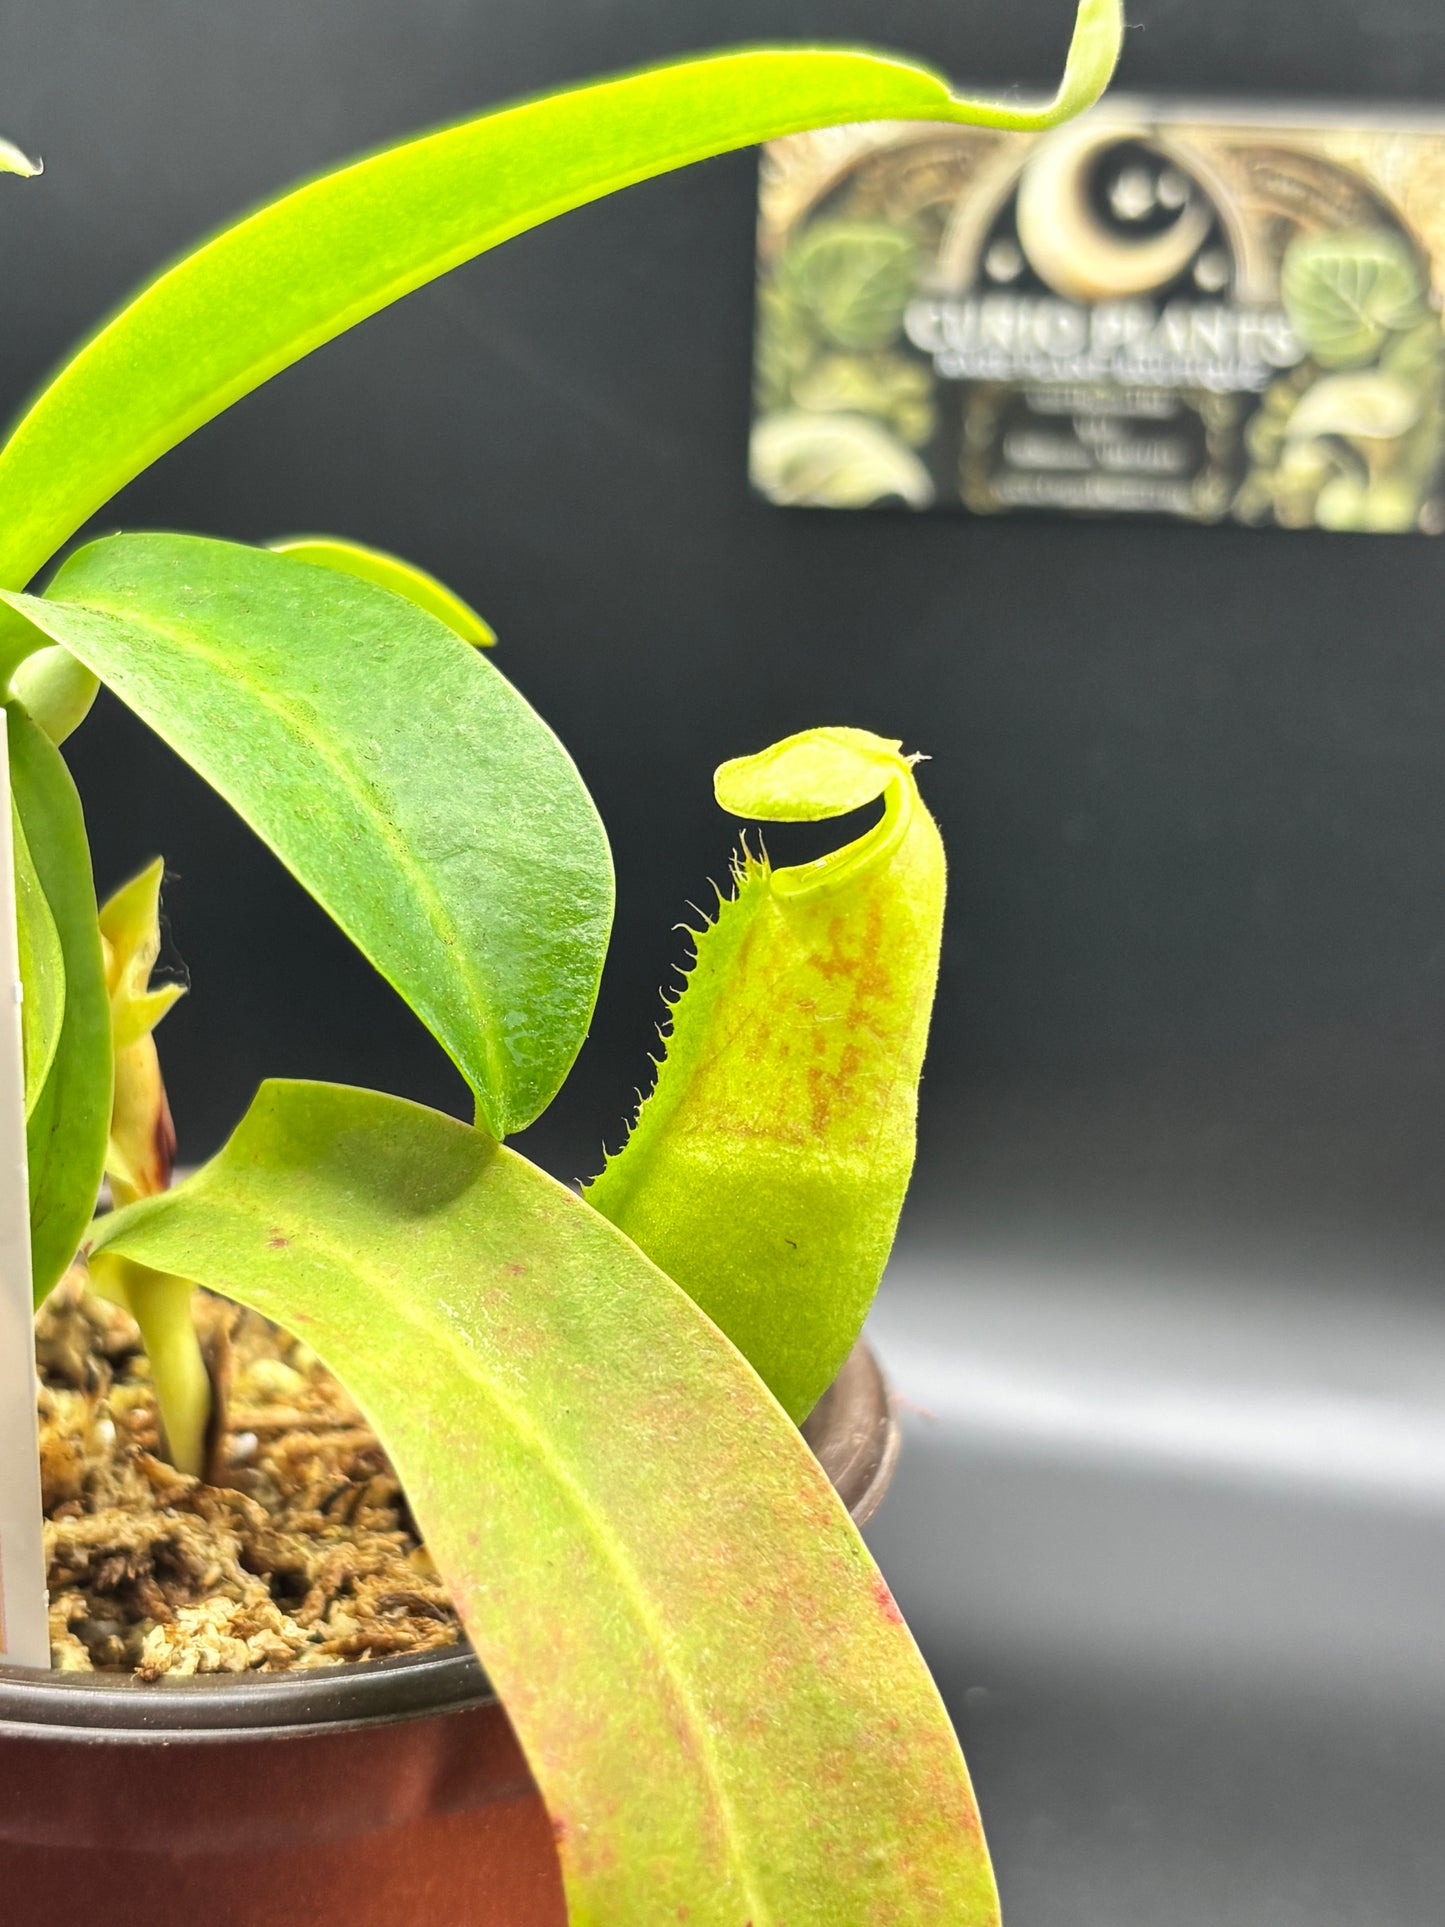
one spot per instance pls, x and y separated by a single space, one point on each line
161 1306
57 691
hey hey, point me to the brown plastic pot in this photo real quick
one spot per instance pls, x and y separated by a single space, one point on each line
382 1794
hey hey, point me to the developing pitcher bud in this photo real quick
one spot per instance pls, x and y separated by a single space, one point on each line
138 1160
142 1145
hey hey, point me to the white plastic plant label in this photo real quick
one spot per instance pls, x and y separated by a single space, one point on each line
24 1639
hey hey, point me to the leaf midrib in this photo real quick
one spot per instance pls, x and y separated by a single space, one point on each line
448 936
630 1583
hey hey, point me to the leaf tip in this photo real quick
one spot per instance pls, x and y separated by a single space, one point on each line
14 161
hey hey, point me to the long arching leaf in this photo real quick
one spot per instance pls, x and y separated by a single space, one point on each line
405 783
300 271
42 970
714 1688
67 1129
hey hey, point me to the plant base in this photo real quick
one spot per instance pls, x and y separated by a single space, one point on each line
378 1794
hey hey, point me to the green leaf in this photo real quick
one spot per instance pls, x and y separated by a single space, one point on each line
67 1130
766 1171
712 1684
267 291
401 779
390 572
42 970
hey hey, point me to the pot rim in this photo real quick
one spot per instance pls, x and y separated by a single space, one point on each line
853 1432
357 1693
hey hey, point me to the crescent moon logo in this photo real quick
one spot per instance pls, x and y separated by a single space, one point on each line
1068 245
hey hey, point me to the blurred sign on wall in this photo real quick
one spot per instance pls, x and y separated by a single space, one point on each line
1211 315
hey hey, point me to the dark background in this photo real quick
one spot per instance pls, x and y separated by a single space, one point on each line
1192 1024
1191 780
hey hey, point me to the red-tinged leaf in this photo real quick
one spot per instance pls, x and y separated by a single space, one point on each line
715 1690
